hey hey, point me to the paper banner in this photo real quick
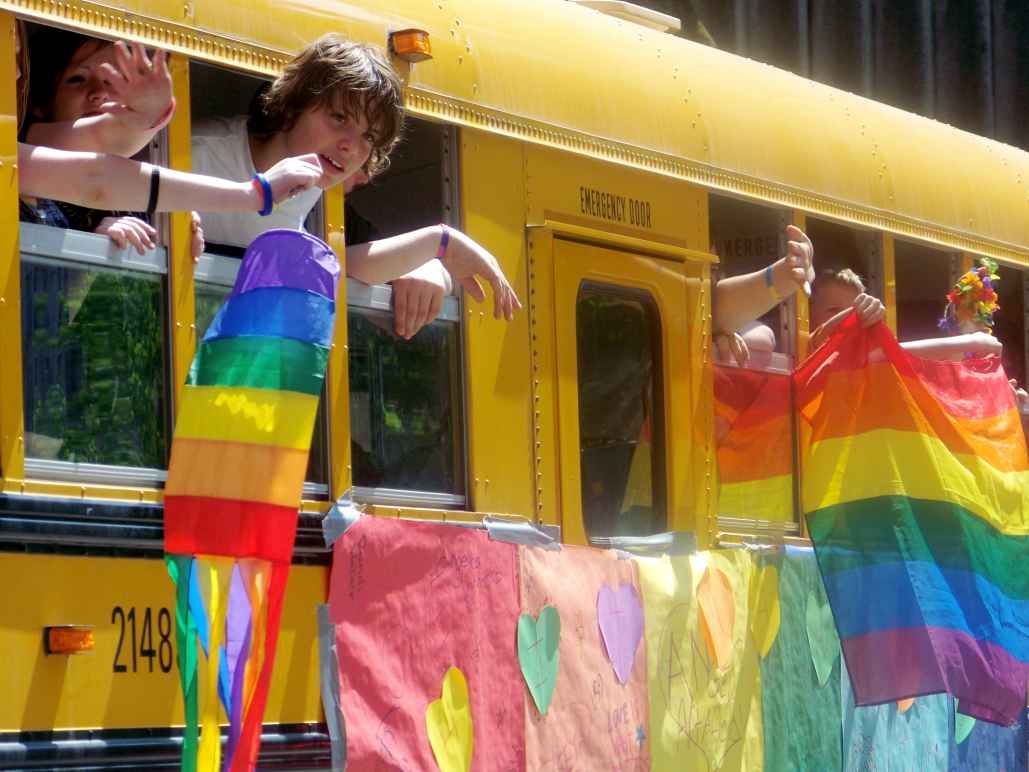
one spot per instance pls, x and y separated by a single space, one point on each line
620 616
765 612
593 722
717 615
538 654
448 722
963 726
801 720
409 601
880 737
701 717
821 635
990 747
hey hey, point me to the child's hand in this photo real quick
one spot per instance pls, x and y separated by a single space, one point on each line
124 231
418 297
870 310
465 260
196 245
140 90
291 176
800 258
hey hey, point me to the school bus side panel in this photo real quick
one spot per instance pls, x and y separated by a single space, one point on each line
497 362
131 679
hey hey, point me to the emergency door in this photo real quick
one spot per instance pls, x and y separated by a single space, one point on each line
622 371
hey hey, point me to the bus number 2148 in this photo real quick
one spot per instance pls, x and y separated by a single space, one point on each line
136 636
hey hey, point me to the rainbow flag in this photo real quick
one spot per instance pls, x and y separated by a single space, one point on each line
916 491
754 435
239 458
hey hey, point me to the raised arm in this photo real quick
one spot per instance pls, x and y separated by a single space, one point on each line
114 183
387 259
742 299
141 105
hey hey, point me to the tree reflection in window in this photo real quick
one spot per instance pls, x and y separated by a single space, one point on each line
93 352
405 405
621 435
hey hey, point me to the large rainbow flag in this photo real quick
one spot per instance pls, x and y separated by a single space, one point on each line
239 458
916 491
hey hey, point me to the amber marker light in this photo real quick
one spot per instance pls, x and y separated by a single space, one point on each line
68 639
411 45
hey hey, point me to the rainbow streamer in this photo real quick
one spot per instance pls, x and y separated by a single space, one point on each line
916 490
235 480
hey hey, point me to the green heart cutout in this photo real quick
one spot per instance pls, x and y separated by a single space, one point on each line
538 654
821 636
963 725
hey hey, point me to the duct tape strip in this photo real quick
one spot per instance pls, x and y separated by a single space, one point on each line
339 518
670 543
523 532
331 703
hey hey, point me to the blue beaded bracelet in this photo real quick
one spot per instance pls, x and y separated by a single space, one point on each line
266 189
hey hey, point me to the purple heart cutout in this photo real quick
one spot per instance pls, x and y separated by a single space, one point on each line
620 615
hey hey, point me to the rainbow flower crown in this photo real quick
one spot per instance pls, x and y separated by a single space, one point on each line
973 298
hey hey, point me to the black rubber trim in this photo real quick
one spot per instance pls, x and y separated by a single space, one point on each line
283 746
102 528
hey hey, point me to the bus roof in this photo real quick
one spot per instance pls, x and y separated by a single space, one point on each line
552 72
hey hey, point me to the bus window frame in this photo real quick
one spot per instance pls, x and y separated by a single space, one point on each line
46 245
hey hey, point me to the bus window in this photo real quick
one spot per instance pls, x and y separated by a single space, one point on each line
407 436
755 439
924 277
406 397
93 351
747 237
621 435
215 275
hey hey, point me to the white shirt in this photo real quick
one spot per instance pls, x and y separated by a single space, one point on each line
221 148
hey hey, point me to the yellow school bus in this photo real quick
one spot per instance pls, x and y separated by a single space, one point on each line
611 168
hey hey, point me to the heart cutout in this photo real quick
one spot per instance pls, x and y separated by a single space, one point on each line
821 636
963 725
765 613
620 616
448 722
538 654
717 615
903 706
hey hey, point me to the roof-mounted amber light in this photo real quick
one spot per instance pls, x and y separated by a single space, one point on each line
68 639
411 45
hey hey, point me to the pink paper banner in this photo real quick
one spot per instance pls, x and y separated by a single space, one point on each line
409 600
594 722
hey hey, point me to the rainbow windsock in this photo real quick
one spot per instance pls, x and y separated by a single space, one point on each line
239 458
754 434
916 491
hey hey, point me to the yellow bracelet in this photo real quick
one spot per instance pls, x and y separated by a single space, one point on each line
770 283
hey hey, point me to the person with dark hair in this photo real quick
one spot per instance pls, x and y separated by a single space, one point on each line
71 104
344 102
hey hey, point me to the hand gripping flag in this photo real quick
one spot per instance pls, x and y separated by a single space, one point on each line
916 491
234 485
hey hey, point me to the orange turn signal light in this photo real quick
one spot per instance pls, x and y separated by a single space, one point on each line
68 639
411 45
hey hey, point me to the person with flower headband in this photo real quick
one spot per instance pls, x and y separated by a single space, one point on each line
972 301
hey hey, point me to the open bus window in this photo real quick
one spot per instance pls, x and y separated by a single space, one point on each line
747 237
406 397
621 437
924 277
93 350
837 248
215 276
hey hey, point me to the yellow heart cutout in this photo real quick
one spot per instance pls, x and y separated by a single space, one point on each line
765 614
448 721
717 615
